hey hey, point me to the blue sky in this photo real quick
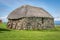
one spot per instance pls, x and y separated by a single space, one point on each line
52 6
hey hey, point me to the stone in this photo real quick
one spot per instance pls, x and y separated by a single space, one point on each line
31 23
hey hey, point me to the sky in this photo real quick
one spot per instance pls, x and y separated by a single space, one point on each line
52 6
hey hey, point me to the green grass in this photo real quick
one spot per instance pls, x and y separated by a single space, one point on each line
6 34
3 25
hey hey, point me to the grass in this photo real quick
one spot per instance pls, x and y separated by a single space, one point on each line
6 34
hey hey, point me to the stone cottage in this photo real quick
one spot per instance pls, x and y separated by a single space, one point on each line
30 18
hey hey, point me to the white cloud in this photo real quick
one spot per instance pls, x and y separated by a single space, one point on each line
57 19
4 18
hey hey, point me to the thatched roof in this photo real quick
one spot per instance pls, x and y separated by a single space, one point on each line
28 11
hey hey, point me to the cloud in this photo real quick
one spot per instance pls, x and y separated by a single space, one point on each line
57 19
4 18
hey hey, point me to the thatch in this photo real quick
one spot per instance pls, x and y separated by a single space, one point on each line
28 11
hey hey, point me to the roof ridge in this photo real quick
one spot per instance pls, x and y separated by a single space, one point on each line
26 9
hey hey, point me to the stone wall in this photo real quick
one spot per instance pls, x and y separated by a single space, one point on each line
31 23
